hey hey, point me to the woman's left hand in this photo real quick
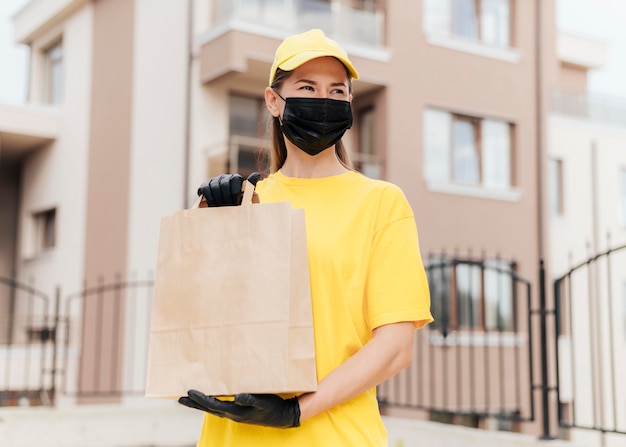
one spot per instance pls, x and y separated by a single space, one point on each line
268 410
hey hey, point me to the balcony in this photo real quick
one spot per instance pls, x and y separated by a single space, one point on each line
601 109
37 17
24 128
349 25
240 44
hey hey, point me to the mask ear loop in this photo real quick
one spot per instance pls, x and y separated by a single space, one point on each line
280 118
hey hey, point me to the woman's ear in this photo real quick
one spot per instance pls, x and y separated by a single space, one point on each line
271 102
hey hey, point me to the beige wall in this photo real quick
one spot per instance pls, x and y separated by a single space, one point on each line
572 79
108 174
54 175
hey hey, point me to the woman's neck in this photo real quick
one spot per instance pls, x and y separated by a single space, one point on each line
302 165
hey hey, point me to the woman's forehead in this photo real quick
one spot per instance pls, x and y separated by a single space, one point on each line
322 67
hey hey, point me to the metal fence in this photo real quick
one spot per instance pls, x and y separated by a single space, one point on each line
475 361
89 344
27 344
590 305
496 346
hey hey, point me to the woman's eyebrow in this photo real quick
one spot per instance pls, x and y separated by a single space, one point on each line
309 81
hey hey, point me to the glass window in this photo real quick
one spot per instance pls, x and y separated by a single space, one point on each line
496 138
498 295
464 151
437 16
366 160
622 181
469 294
467 150
485 21
246 116
247 130
437 143
624 307
555 187
468 285
54 73
465 19
494 23
439 270
45 230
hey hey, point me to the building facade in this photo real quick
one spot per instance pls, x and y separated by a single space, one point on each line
133 103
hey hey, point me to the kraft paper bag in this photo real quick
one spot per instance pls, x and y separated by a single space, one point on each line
231 309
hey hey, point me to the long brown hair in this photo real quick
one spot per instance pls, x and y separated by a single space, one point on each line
278 149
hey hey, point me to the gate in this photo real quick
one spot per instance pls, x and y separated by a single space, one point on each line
110 323
590 307
90 344
491 348
28 340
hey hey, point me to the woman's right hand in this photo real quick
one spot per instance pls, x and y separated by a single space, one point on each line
225 189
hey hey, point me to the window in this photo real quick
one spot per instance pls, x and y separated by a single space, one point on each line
366 160
622 196
483 21
555 187
247 130
624 307
54 73
45 230
467 150
471 294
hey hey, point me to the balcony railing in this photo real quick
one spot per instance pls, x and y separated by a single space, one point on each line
593 107
346 24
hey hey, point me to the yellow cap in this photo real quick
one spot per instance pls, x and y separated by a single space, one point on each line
300 48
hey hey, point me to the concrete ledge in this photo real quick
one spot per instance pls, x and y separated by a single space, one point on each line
160 424
142 423
415 433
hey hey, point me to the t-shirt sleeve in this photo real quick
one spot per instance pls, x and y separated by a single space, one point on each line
397 287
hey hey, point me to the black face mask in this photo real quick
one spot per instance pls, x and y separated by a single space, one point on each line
315 124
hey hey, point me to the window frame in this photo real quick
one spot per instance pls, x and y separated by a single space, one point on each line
441 32
44 231
440 178
54 58
447 269
244 147
622 195
556 196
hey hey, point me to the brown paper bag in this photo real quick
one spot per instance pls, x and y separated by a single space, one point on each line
231 310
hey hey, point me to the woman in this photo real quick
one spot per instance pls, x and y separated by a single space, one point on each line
368 286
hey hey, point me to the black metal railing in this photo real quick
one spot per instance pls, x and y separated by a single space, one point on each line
110 322
490 353
27 345
92 343
475 360
590 341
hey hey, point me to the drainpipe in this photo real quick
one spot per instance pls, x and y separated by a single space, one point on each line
187 143
545 389
539 124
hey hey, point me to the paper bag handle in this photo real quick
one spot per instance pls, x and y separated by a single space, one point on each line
248 196
248 193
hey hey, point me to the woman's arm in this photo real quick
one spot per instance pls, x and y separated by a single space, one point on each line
389 351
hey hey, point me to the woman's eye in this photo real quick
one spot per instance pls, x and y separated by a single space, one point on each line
307 87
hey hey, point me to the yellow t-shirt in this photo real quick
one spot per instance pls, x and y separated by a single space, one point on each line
366 271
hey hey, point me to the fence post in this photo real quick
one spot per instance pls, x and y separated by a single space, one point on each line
55 340
545 389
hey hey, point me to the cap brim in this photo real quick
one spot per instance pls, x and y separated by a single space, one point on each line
301 58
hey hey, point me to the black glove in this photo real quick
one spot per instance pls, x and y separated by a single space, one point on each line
225 189
268 410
